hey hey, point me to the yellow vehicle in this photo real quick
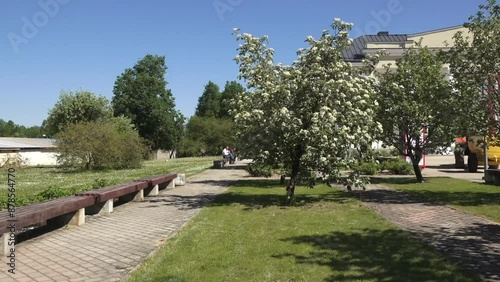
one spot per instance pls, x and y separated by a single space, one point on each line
475 152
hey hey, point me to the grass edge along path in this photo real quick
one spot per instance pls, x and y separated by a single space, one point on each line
246 235
476 198
36 184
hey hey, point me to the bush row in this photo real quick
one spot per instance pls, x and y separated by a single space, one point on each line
395 166
259 170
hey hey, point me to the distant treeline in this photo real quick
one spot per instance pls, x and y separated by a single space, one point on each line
11 129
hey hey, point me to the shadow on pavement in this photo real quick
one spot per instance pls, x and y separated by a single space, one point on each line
181 202
475 247
428 196
390 196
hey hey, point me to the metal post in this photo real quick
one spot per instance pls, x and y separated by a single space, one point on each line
485 158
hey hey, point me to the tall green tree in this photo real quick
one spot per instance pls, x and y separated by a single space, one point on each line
7 128
11 129
232 90
475 65
33 132
209 103
206 136
74 107
307 115
415 99
140 93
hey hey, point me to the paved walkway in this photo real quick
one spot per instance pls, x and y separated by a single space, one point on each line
472 241
107 248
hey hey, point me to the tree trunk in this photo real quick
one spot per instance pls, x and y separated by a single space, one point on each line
415 159
290 189
418 172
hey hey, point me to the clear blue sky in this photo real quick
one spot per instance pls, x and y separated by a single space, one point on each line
86 44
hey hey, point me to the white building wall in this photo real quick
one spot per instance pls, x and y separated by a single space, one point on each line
39 158
29 158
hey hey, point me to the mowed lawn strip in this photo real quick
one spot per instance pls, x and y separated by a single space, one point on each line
477 198
246 235
32 180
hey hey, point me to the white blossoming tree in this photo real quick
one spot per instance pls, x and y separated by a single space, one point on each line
308 115
417 108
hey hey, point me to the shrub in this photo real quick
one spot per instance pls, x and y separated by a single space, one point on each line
100 183
110 144
385 153
54 192
367 168
259 170
398 166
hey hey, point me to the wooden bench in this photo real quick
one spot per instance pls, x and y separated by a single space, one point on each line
132 191
160 182
64 210
164 181
221 163
104 198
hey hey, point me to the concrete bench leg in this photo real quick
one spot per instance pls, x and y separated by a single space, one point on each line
180 180
5 238
73 218
155 191
171 184
139 197
108 206
100 208
78 218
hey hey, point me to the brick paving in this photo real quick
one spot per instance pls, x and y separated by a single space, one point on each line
108 247
471 241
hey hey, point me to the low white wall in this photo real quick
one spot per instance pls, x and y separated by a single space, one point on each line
39 158
29 158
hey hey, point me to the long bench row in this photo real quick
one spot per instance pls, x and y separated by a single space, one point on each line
72 210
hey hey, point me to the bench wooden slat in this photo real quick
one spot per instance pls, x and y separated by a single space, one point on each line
163 178
111 192
142 184
115 191
41 212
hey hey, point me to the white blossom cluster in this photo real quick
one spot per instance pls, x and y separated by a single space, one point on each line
319 103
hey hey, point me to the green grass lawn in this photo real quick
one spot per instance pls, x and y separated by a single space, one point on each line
477 198
31 181
246 235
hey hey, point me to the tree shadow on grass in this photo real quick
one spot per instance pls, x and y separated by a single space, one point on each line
219 183
459 198
256 199
393 180
264 199
389 255
259 183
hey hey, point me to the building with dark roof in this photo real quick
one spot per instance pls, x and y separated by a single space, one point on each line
395 44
